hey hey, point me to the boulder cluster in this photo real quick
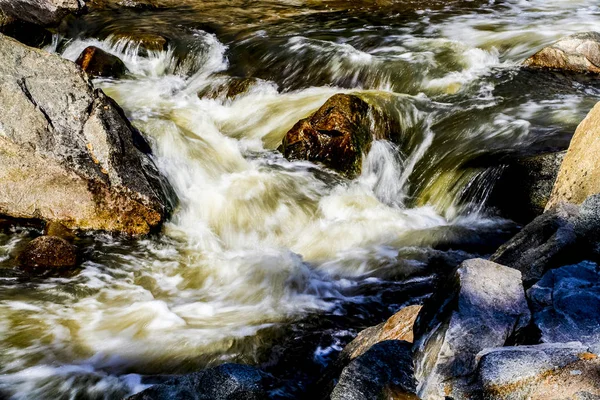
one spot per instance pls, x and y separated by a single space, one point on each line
524 324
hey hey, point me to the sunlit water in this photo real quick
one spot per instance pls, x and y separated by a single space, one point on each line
258 243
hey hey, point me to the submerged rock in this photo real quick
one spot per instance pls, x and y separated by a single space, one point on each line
231 88
225 382
481 305
41 12
579 175
546 371
524 188
98 63
48 252
577 53
384 371
338 134
547 242
566 305
67 151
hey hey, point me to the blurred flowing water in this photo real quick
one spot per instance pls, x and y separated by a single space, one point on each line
279 263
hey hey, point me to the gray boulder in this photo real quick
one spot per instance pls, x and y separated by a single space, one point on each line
566 305
384 371
225 382
543 244
482 305
577 53
41 12
556 371
68 153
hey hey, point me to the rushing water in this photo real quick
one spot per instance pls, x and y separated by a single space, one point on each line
262 251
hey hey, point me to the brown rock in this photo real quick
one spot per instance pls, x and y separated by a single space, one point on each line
230 89
338 134
98 63
48 252
57 229
579 175
577 53
398 327
145 40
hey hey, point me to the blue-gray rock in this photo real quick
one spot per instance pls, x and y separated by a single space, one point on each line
386 369
225 382
481 306
566 305
531 372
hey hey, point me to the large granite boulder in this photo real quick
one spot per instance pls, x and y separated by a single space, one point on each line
481 305
68 153
225 382
540 372
566 305
41 12
577 53
579 175
338 134
547 242
385 371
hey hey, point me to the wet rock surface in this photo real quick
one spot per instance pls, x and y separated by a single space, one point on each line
383 371
338 134
397 327
525 186
482 305
226 382
577 53
566 305
98 63
557 371
579 175
98 172
41 12
48 252
547 242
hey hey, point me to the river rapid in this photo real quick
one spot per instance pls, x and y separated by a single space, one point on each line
278 263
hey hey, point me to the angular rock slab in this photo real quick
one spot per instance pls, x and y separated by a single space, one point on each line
225 382
398 327
481 305
68 153
566 305
577 53
384 371
41 12
546 371
579 175
542 244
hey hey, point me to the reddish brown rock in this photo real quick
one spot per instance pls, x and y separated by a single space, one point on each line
98 63
48 252
336 135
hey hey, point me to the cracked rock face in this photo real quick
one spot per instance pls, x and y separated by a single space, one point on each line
566 305
41 12
577 53
482 305
68 154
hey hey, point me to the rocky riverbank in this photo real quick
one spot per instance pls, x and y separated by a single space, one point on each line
522 323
